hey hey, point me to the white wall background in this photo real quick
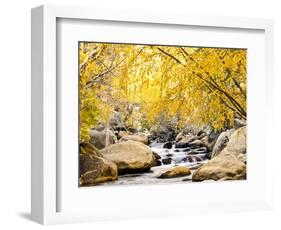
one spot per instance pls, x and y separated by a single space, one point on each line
15 112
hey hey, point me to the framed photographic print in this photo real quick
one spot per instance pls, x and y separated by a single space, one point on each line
138 114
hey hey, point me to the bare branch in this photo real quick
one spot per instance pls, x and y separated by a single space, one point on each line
171 56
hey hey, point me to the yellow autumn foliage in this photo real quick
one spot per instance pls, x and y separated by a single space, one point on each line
201 86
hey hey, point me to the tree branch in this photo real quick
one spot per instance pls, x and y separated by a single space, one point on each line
92 56
232 100
171 56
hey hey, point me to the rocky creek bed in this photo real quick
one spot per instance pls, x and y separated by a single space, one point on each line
169 158
136 158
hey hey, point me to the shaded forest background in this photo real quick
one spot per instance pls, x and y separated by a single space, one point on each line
161 84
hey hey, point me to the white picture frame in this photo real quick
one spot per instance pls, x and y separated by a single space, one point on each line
45 162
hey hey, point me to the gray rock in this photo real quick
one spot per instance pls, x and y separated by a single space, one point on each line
201 149
239 123
201 134
237 143
168 145
116 122
185 141
100 127
196 144
189 138
210 140
182 145
179 137
221 142
140 137
98 138
167 161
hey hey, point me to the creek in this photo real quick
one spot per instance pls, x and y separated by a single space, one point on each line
168 158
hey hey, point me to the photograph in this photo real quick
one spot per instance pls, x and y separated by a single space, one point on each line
148 112
157 114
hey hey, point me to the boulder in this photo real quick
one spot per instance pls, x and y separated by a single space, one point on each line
157 158
130 156
157 163
179 137
200 150
237 143
201 134
185 141
88 148
242 157
94 169
100 127
238 123
196 144
221 142
116 122
210 140
140 137
167 161
98 138
188 138
168 145
177 171
221 167
123 133
208 155
181 145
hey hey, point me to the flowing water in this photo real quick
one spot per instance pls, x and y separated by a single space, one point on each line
168 158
